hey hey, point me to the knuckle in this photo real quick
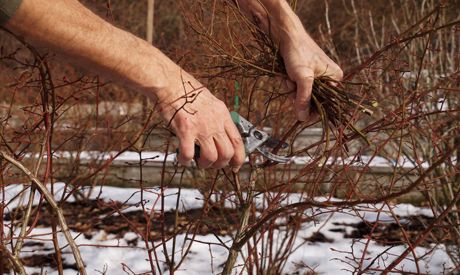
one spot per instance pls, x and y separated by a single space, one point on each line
209 157
226 155
221 163
339 72
239 158
302 100
237 161
186 155
237 141
239 150
302 94
239 154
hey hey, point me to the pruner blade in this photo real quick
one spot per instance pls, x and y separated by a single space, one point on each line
257 140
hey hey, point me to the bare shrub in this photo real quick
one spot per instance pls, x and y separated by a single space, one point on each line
403 54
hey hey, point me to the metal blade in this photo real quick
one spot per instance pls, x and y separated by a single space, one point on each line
273 143
275 158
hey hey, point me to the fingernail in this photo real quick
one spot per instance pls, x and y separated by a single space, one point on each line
235 169
303 115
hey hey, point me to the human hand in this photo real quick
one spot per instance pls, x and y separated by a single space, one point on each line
87 40
198 117
304 60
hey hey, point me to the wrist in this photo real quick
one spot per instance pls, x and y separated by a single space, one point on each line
289 26
282 23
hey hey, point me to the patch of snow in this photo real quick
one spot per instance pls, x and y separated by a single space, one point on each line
125 156
107 252
189 199
115 255
130 236
158 157
369 161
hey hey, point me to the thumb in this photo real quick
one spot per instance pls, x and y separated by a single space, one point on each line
303 97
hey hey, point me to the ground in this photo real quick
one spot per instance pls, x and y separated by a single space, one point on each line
324 244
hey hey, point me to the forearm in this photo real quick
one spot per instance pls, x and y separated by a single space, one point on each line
68 28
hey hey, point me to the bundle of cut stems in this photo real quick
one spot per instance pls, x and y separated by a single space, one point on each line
337 107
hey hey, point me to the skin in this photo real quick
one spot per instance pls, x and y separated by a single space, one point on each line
74 32
303 58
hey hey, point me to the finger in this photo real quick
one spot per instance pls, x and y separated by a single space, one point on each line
224 151
333 70
186 149
338 74
238 146
303 97
208 152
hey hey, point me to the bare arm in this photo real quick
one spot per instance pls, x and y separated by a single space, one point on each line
303 58
75 32
68 28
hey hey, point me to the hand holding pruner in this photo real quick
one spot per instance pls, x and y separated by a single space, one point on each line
254 140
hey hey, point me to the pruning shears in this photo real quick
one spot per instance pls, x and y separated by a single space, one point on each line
258 140
254 140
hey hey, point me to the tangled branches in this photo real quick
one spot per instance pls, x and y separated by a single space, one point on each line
339 196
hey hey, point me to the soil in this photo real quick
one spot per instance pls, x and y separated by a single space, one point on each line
90 216
392 233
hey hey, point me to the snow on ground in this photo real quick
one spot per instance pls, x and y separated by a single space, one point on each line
190 198
153 156
114 255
